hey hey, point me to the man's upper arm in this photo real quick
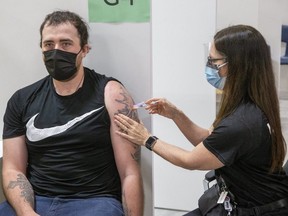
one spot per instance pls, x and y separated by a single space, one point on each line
127 154
15 154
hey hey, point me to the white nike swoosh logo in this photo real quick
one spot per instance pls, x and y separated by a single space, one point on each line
34 134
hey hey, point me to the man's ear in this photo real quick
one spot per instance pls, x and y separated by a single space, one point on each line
85 50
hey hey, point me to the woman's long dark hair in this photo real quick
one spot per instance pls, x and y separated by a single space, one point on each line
250 78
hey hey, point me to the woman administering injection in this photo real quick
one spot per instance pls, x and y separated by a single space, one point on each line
245 147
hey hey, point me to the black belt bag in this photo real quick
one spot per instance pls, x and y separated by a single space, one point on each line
259 210
208 200
209 206
208 203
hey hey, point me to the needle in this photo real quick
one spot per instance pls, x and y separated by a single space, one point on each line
138 105
142 104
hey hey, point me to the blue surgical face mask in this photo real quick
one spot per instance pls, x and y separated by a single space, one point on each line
212 75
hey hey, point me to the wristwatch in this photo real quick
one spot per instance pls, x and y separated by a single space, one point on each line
150 142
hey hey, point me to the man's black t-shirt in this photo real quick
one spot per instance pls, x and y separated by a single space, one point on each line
68 138
242 142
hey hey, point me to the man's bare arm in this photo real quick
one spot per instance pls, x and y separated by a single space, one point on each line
17 189
127 154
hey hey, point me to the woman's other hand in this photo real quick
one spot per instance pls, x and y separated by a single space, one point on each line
161 106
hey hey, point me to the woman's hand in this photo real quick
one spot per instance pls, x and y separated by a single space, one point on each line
161 106
131 130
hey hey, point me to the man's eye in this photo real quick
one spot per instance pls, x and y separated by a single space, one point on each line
48 45
66 44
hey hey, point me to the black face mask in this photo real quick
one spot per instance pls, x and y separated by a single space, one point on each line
61 65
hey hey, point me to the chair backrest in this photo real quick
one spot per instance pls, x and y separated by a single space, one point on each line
284 39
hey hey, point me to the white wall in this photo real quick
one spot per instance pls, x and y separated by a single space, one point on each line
179 31
265 15
119 50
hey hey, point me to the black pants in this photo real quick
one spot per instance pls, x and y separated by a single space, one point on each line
280 212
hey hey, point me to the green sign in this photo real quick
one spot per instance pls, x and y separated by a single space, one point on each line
119 10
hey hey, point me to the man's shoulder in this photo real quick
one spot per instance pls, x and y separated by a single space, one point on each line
113 86
97 75
32 88
36 83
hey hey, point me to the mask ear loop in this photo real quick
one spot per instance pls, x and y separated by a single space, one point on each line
79 51
220 66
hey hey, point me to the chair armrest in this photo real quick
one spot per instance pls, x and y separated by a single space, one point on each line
209 178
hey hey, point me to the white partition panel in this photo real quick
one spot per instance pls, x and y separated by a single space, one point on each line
179 31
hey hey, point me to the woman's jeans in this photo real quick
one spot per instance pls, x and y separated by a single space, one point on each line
45 206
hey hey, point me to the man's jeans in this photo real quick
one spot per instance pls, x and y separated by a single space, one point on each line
44 206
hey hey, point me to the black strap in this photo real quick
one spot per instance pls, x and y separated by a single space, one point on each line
259 210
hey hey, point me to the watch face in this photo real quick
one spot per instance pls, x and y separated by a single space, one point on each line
150 142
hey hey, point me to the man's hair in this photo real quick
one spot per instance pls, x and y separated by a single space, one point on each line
250 78
60 17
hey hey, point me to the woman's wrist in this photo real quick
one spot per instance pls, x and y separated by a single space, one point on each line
150 142
176 114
